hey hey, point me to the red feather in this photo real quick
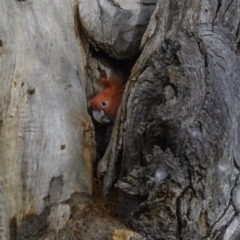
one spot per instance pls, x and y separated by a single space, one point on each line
111 95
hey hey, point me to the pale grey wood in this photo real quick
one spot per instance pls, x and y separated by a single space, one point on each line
45 131
115 26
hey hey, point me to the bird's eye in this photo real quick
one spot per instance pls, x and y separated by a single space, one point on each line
104 103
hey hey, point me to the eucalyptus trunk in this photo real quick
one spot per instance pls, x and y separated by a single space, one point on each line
174 150
179 125
46 135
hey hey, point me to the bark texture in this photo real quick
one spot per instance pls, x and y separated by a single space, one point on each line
179 120
52 55
46 136
115 26
176 132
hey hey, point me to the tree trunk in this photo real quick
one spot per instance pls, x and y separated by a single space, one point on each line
51 60
46 141
179 125
176 133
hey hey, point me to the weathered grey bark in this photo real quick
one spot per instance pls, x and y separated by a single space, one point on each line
115 26
179 125
48 76
46 135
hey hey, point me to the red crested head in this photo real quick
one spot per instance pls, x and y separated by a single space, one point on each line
110 98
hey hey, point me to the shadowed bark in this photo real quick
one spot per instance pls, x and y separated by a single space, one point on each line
179 125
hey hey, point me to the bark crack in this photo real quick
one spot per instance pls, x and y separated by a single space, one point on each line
237 39
228 6
77 24
230 203
214 234
219 5
236 164
115 4
178 213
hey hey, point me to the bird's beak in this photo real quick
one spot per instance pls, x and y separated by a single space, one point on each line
100 117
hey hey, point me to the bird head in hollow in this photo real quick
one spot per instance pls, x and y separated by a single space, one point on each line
106 103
